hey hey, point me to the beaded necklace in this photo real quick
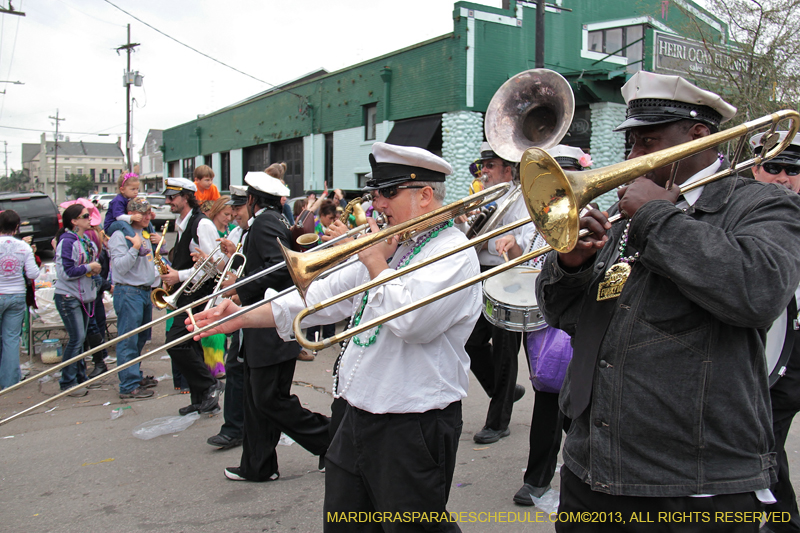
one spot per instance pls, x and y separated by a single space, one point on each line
356 320
87 252
623 244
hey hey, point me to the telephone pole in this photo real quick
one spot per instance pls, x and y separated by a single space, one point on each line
55 161
128 79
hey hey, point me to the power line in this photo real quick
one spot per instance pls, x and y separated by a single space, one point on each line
189 47
66 132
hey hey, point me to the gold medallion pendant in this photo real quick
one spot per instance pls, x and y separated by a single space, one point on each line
614 281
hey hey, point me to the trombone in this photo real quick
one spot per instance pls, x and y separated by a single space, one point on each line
554 199
169 314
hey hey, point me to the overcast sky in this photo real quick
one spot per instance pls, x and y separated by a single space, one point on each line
64 51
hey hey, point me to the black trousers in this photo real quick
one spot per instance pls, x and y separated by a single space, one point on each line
392 463
188 356
269 409
495 365
233 407
642 515
782 490
547 422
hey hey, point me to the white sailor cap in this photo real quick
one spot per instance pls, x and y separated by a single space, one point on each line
659 99
176 185
261 184
570 156
790 156
238 196
393 165
487 152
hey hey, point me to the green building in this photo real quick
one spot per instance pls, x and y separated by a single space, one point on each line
434 94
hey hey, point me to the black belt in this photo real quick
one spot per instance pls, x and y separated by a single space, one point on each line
142 287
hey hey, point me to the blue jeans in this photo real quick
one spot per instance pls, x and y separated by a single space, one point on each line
12 311
126 229
76 322
133 308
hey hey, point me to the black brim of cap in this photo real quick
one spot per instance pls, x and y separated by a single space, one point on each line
638 122
170 192
785 159
236 202
385 183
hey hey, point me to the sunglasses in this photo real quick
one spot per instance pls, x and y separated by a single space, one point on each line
392 191
490 164
83 216
776 168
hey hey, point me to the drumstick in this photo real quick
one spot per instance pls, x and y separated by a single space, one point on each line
505 257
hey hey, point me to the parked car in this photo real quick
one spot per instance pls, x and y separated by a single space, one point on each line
103 199
39 216
158 203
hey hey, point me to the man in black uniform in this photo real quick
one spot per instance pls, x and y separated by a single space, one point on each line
783 170
195 231
269 406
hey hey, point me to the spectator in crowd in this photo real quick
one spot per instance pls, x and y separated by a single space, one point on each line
204 181
18 262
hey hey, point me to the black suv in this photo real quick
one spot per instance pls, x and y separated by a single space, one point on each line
38 215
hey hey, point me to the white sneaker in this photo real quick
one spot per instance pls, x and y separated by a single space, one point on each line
109 360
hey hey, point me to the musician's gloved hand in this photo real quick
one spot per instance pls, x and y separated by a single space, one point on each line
639 192
375 257
335 229
225 308
597 222
172 277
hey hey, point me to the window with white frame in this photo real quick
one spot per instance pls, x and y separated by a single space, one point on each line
619 42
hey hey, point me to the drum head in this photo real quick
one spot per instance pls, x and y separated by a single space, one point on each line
780 339
515 287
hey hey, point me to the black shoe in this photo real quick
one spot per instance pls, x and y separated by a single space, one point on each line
519 392
136 393
489 435
210 400
97 370
148 382
527 493
189 409
234 473
224 442
322 463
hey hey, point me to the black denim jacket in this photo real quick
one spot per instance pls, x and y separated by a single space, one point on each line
680 402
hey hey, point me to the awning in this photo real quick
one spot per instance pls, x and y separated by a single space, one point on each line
415 131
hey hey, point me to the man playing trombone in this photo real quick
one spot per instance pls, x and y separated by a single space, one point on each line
195 231
395 450
667 389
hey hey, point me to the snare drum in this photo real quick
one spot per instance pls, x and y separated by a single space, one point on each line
780 341
509 300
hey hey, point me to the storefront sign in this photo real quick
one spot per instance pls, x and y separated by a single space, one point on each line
693 59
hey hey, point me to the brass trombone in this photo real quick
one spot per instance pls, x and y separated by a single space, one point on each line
554 199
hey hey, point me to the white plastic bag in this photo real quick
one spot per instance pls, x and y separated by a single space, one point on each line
164 426
48 314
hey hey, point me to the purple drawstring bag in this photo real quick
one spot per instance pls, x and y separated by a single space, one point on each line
549 352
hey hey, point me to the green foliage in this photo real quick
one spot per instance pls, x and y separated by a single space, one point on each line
17 181
79 185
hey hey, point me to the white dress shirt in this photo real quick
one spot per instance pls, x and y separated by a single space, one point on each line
488 256
418 361
207 234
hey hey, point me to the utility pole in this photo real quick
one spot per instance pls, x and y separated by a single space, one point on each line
128 79
55 162
539 57
5 150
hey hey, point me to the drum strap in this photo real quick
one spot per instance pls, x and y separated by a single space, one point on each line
591 328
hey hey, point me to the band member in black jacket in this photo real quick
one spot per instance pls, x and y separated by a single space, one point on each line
195 231
269 406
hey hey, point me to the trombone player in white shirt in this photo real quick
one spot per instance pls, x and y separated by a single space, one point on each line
395 450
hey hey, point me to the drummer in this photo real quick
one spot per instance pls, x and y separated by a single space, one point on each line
547 420
495 364
783 170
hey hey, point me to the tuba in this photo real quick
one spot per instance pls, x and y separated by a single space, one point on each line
532 109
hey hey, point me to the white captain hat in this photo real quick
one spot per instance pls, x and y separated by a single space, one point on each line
790 156
393 165
570 156
176 185
659 99
261 183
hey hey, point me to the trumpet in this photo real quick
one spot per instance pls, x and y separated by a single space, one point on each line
554 199
224 275
207 269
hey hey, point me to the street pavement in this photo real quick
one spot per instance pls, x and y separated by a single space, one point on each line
70 467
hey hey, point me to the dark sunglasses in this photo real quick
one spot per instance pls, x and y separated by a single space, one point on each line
776 168
84 216
391 191
490 164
